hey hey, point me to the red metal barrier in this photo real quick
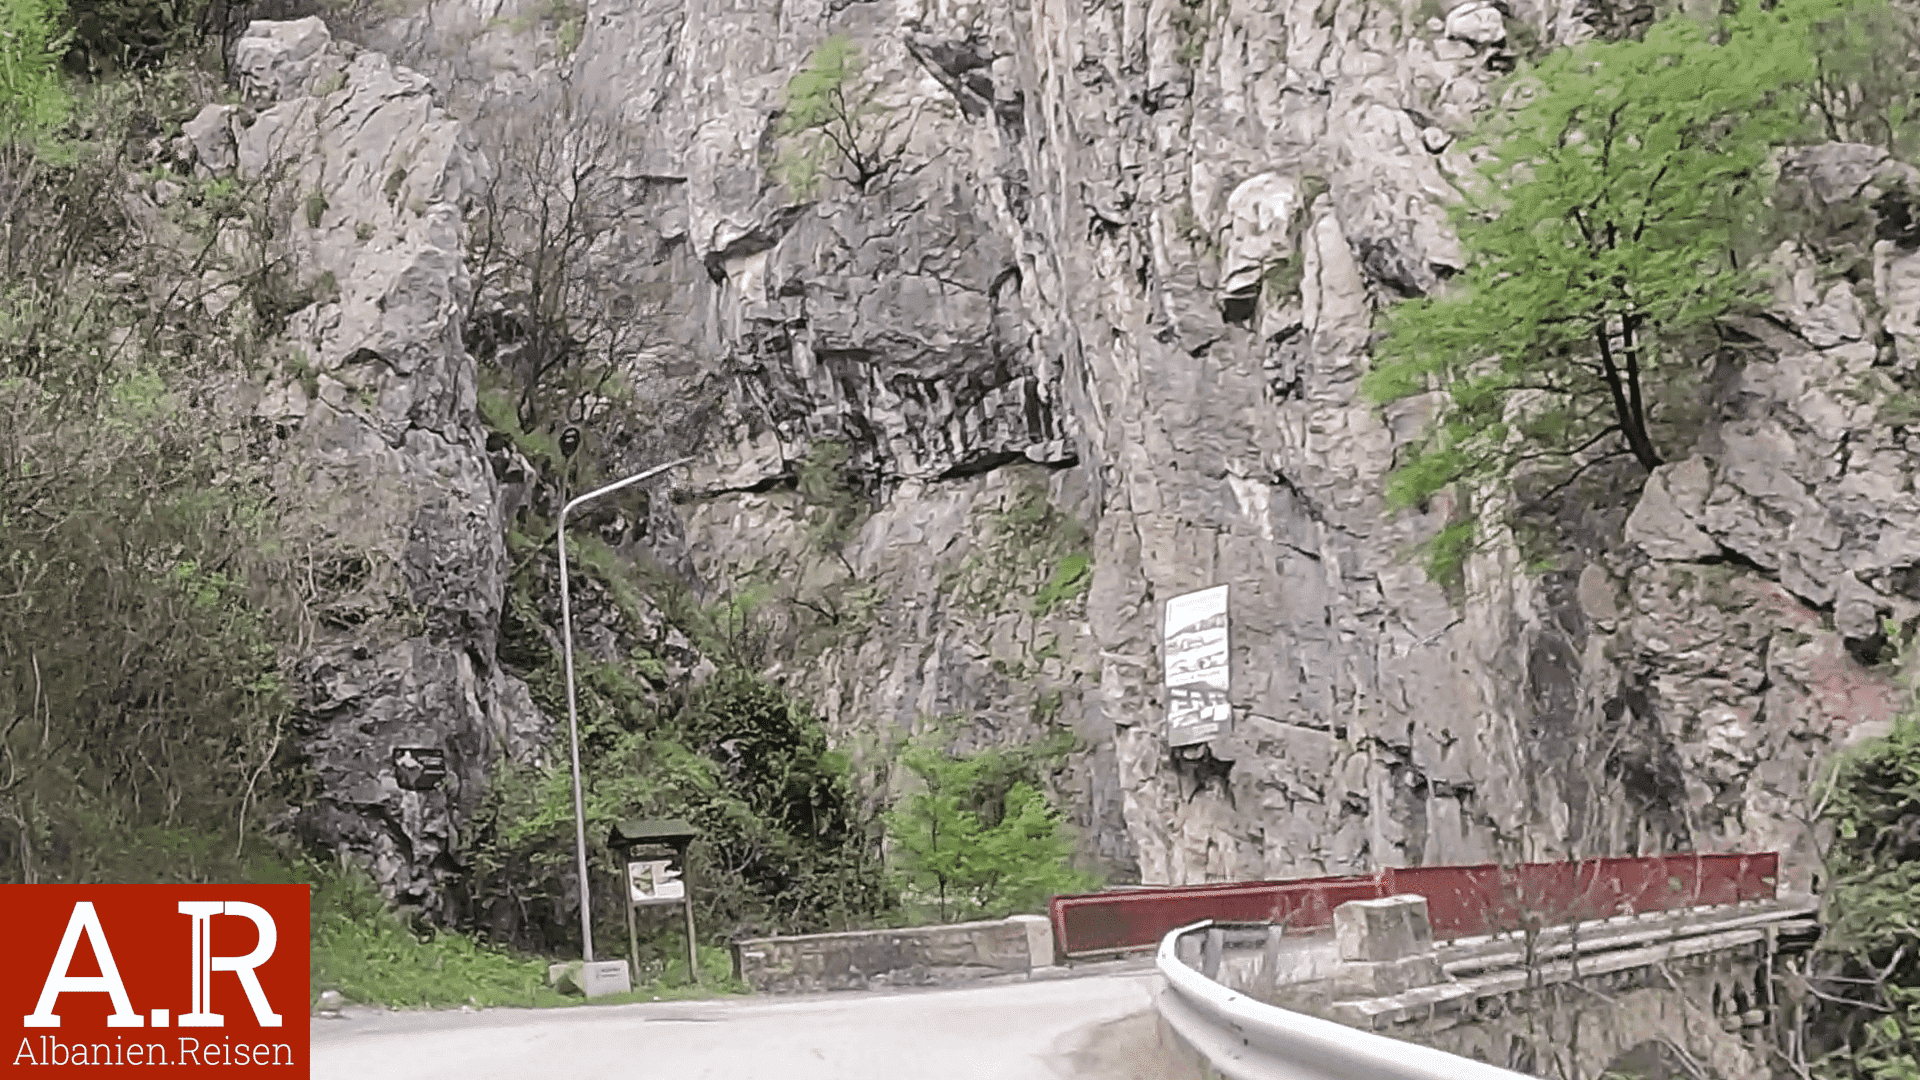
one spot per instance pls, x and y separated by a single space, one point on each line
1139 918
1462 901
1302 906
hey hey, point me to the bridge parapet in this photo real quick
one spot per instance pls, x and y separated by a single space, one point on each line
1462 901
1563 1000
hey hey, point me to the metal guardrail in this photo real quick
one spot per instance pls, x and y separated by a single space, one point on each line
1462 900
1245 1039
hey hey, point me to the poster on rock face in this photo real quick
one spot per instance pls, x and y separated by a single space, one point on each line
1196 658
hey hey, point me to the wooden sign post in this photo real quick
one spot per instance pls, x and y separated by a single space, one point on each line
655 881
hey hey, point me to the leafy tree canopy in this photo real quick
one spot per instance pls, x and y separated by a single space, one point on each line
977 838
1604 237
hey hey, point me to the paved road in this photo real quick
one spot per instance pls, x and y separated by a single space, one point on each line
1090 1028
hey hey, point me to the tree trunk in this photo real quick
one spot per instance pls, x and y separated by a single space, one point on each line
1631 417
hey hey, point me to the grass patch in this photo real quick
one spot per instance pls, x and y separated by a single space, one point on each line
366 952
1071 577
370 954
499 411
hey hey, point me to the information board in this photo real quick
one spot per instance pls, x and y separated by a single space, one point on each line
655 881
1196 673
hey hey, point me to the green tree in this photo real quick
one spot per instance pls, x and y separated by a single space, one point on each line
977 836
831 123
1604 242
836 501
1870 1012
1866 85
32 101
784 845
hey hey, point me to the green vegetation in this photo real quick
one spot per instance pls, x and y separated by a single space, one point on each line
33 102
1029 549
1864 87
975 838
306 373
499 410
783 846
140 600
566 33
1899 409
1072 576
831 126
545 321
1871 941
1611 228
1192 25
1186 225
367 952
1282 278
836 502
110 36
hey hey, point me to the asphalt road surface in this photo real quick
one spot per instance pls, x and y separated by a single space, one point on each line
1096 1027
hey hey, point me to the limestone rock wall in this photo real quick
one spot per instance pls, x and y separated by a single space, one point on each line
1134 248
382 470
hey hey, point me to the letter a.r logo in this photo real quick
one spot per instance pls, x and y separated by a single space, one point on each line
174 977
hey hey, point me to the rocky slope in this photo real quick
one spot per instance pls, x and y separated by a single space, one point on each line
1130 258
382 465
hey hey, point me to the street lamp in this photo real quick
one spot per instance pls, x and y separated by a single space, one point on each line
573 716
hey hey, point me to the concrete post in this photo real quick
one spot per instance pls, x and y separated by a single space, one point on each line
1039 940
1270 961
1386 947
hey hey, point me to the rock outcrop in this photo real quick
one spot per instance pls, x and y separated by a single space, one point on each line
1131 254
382 470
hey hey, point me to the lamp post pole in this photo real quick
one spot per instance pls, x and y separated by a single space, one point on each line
573 714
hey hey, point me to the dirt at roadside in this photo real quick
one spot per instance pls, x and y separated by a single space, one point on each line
1129 1048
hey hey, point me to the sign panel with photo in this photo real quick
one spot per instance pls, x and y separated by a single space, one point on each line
1196 658
655 881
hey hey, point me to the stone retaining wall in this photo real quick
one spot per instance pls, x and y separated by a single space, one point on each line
914 956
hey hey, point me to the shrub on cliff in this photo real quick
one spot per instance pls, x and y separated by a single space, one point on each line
143 708
1868 1012
116 35
1605 241
832 126
1858 996
566 316
32 101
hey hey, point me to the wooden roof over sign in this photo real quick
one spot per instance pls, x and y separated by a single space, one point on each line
671 831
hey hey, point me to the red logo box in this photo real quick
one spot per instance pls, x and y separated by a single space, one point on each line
155 977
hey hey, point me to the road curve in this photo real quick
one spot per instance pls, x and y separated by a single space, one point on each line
1089 1028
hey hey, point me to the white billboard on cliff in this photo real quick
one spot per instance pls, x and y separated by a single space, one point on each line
1196 657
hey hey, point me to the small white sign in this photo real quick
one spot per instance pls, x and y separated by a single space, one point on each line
655 881
1197 655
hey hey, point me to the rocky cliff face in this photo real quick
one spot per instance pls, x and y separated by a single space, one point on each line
382 468
1130 258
